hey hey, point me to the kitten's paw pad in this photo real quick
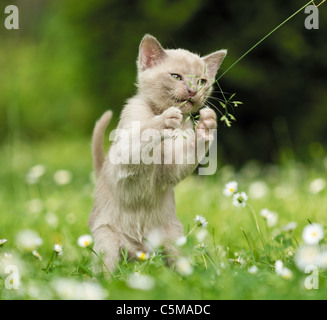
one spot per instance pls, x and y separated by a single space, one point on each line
207 122
208 119
207 114
172 118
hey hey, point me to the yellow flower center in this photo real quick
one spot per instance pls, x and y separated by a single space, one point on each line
142 256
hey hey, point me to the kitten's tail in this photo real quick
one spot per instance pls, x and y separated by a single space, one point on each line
97 141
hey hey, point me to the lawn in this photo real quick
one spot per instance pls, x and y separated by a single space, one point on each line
232 257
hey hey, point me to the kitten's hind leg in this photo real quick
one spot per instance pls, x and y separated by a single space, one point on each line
108 249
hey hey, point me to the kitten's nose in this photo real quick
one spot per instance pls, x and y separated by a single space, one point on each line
191 93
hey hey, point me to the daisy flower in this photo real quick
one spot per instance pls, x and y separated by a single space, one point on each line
282 271
28 240
270 217
253 270
85 241
313 233
35 173
140 282
62 177
230 188
58 249
183 266
240 199
201 221
2 241
142 255
181 241
307 256
317 186
289 227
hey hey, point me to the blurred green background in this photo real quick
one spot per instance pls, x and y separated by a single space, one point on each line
72 60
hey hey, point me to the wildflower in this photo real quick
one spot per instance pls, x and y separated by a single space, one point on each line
69 289
307 256
62 177
201 221
200 246
181 241
240 199
230 188
183 266
2 241
289 227
28 240
140 282
36 255
240 260
155 239
258 190
35 173
253 270
313 233
282 271
85 241
317 186
270 217
201 234
142 255
58 249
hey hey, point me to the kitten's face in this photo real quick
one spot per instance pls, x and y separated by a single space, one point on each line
176 78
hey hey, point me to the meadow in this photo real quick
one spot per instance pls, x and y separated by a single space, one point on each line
233 249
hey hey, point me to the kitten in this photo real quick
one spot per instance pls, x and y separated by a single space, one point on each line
132 200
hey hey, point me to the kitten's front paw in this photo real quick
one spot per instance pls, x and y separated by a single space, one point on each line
207 122
172 118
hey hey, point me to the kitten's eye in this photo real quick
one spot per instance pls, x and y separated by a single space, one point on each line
202 82
176 76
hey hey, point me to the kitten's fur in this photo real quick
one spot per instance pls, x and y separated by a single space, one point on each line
133 200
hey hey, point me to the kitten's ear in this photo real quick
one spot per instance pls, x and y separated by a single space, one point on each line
213 62
150 52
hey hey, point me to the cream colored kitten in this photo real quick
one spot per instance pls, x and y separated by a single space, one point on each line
134 199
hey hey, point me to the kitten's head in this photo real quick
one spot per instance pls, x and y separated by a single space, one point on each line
175 77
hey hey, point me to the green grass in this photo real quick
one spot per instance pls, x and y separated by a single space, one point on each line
232 232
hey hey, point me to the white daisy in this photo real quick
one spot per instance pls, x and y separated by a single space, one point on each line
201 221
282 271
230 188
62 177
181 241
155 238
85 241
201 234
317 185
289 227
183 266
240 199
253 270
2 241
307 256
58 249
28 240
142 255
140 282
258 190
313 233
36 255
270 217
35 173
